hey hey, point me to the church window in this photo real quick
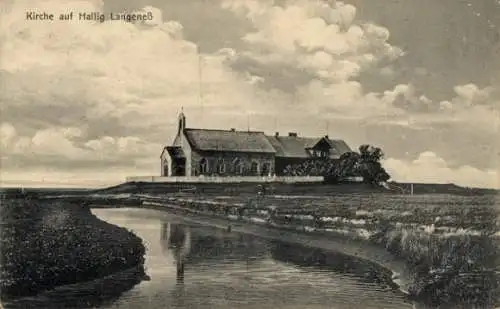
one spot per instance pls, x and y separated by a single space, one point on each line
221 166
266 169
203 166
254 168
238 166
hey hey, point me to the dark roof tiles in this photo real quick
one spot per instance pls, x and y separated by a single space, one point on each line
257 142
340 145
235 141
295 147
290 146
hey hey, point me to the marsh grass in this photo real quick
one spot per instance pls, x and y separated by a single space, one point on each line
446 268
48 243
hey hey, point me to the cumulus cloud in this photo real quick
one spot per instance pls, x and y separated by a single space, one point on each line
113 68
61 147
472 107
315 50
315 37
430 168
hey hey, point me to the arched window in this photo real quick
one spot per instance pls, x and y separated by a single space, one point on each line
238 167
203 166
221 166
254 168
266 169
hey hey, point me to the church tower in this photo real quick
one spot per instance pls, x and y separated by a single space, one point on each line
181 123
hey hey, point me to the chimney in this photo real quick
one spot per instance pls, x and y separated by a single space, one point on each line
233 130
277 134
292 134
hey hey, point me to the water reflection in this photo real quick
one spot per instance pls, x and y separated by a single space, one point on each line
192 245
202 245
176 238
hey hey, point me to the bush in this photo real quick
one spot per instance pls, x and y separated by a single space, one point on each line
366 164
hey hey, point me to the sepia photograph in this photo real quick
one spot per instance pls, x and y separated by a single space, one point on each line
253 154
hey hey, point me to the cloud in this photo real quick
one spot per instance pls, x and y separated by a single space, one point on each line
316 51
61 147
322 40
111 68
472 108
430 168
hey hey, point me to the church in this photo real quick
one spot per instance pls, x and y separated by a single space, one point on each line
208 152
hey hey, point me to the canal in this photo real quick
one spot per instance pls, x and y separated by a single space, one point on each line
201 267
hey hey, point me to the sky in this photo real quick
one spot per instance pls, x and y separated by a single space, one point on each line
85 103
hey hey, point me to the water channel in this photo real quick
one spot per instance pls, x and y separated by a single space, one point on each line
203 267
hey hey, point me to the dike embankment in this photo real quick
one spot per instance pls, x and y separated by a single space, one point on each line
287 185
49 243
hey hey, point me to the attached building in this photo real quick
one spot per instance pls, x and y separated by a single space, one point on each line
196 152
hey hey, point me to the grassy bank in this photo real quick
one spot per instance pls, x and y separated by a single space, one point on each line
450 243
446 268
47 243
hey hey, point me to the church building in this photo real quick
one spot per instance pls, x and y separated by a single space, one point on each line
196 152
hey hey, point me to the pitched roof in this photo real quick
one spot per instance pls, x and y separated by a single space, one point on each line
175 152
256 142
228 140
340 145
291 146
295 147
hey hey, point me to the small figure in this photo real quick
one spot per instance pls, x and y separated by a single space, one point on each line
229 227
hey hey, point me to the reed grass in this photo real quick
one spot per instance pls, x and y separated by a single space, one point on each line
446 268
